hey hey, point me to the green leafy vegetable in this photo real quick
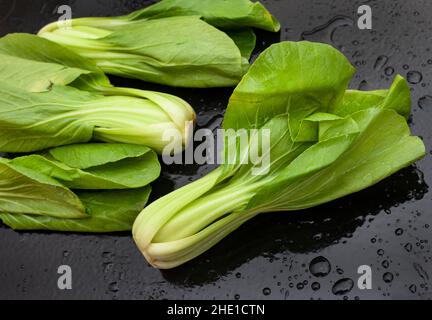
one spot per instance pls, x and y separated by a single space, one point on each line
23 190
325 142
52 96
34 190
108 211
171 42
96 165
223 14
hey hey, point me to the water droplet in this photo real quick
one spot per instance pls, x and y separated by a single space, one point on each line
385 264
421 272
380 252
65 254
326 32
414 77
389 71
300 286
315 286
107 255
413 288
237 296
342 286
266 291
425 102
113 287
408 247
238 275
380 62
363 85
319 267
339 271
405 67
388 277
399 231
429 61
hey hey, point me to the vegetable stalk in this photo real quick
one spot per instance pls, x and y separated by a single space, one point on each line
173 42
65 99
325 142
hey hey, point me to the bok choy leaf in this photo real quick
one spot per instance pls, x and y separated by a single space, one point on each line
176 42
325 142
35 192
96 165
51 97
108 211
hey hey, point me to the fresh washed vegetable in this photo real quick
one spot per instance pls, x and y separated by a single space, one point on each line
35 194
51 97
96 165
173 42
325 142
107 211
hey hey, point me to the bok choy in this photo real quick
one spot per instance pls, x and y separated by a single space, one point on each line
173 42
35 189
325 142
51 97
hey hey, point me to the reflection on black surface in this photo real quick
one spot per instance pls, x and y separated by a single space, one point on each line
306 231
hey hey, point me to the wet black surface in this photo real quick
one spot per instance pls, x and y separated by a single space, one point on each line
299 255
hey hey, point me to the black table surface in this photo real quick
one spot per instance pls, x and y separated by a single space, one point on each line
386 226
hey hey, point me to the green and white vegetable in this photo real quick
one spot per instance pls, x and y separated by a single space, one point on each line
173 42
96 165
325 142
35 192
51 97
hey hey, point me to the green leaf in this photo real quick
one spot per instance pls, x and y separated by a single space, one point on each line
396 98
195 55
289 78
38 70
339 166
96 166
230 14
36 121
109 211
245 40
26 190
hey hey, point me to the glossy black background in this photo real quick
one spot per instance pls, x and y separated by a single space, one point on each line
267 258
